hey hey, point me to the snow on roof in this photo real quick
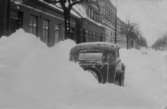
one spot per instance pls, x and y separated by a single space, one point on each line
54 6
58 7
82 11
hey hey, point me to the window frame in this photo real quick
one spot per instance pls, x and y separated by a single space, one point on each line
33 24
45 30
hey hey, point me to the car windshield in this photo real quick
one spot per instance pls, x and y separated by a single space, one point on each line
91 56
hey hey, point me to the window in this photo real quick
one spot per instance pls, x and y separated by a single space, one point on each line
88 36
45 30
117 53
101 38
33 24
92 13
111 56
56 32
94 37
91 36
91 56
89 11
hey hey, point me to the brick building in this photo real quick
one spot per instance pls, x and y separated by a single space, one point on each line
44 20
91 21
108 13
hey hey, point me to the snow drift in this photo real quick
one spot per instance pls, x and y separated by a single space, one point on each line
37 77
146 71
31 69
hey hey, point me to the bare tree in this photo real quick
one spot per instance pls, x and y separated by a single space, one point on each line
132 32
128 30
66 5
160 43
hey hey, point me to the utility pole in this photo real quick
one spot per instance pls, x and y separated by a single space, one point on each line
116 27
127 35
4 16
115 40
67 6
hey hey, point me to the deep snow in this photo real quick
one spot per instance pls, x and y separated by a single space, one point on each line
37 77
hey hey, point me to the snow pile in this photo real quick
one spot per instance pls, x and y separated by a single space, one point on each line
13 51
146 72
33 76
37 73
49 75
113 97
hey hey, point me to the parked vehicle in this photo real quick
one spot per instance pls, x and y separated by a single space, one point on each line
101 59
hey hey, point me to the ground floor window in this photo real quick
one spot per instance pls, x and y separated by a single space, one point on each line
33 24
56 32
45 30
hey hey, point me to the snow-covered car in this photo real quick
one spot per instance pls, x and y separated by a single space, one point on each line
101 59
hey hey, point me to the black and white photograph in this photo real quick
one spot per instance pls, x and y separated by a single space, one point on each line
83 54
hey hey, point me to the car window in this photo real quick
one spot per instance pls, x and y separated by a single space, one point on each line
111 56
91 56
117 54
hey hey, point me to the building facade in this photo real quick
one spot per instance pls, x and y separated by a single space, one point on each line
37 17
46 21
90 28
4 17
108 13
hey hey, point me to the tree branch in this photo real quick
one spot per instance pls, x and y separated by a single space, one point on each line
69 1
62 3
53 1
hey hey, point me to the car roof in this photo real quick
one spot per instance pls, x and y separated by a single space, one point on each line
106 46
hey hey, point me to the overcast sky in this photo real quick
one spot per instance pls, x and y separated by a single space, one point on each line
151 15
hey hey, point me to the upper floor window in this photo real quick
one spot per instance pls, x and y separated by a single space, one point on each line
92 13
33 23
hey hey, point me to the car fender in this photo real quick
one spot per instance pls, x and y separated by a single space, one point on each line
98 72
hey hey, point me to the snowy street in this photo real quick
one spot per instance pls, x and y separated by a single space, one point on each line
33 76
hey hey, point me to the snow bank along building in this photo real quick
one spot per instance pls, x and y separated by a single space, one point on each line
34 16
92 21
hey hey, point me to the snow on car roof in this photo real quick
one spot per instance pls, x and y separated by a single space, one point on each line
95 45
98 43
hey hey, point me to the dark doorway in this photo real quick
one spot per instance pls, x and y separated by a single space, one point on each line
16 21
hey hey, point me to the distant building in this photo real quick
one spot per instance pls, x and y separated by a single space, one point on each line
121 37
